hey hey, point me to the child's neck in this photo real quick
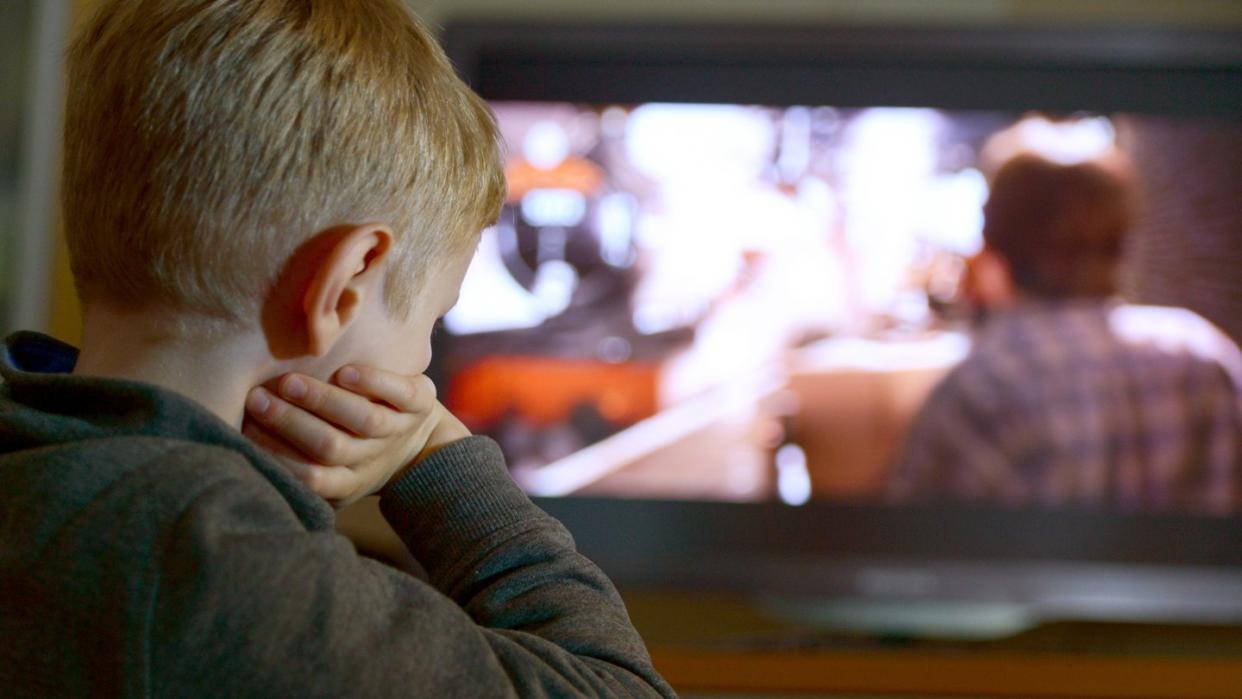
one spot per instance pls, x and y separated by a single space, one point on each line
134 346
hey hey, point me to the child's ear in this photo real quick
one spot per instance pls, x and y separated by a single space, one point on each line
340 283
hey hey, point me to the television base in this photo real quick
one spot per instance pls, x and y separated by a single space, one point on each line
945 620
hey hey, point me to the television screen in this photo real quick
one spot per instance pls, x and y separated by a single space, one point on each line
752 304
737 328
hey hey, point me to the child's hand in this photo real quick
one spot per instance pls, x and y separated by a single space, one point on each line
347 439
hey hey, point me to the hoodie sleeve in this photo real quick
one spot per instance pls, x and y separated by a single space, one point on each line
251 603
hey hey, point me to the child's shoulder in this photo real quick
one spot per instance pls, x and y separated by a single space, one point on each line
131 487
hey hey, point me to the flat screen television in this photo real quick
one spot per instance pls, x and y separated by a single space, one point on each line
725 280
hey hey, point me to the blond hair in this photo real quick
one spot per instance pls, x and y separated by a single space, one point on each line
206 140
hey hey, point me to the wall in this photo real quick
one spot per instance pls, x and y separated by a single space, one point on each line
1185 250
1208 13
15 67
63 311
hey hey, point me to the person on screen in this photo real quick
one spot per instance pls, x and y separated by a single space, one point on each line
267 205
1071 397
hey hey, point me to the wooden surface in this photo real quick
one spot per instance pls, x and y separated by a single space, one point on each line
913 673
721 645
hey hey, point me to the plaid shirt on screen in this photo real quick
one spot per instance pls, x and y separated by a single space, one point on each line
1085 404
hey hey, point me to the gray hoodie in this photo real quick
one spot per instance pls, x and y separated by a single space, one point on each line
148 549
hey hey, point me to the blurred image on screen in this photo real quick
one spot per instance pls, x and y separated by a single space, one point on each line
746 304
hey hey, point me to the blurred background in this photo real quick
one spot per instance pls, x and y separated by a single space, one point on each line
35 290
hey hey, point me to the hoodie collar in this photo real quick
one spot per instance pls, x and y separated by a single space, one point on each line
42 403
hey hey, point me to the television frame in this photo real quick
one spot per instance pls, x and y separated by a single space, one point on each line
1050 564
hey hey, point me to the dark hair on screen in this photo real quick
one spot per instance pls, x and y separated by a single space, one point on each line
1060 227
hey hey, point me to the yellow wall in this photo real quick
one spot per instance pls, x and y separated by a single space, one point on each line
64 316
64 320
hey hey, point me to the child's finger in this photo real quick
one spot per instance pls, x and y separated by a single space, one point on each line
315 438
337 484
409 394
343 408
288 457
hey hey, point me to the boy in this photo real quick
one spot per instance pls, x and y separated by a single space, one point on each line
282 194
1071 398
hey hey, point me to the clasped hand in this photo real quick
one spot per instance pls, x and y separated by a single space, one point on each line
349 438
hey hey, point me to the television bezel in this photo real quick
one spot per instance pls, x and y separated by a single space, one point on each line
835 549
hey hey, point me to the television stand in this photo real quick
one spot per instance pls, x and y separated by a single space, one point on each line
713 644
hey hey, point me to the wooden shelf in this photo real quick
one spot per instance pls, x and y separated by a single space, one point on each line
705 643
939 674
